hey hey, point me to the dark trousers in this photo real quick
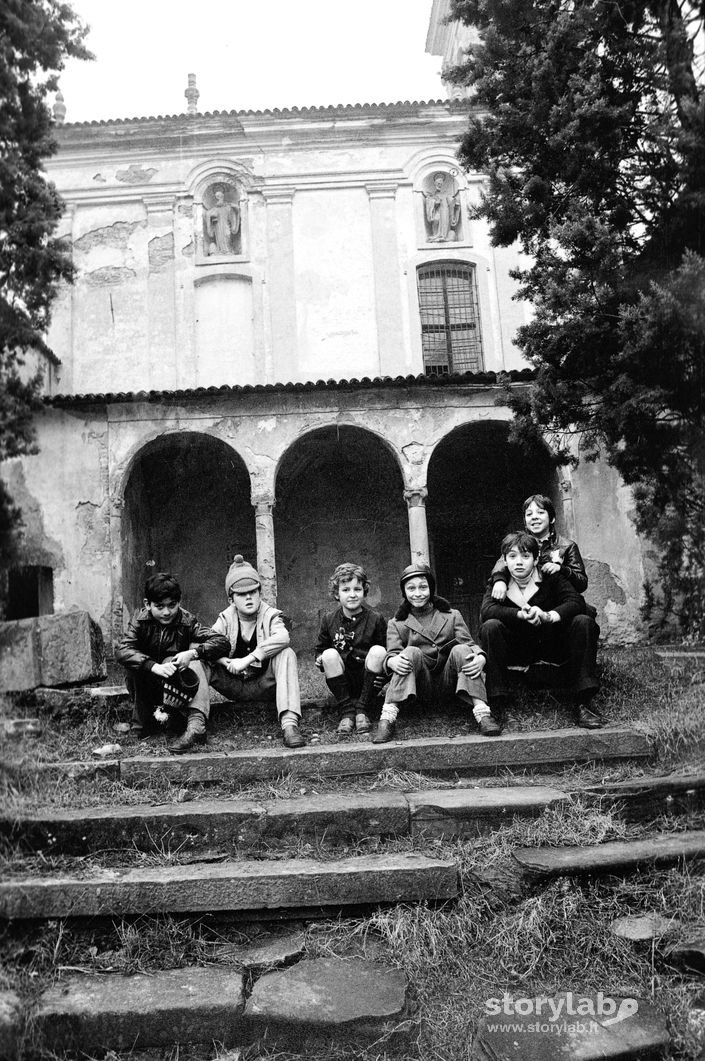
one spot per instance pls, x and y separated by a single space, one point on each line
147 691
572 645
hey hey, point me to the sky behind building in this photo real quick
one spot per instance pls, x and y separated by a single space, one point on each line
249 56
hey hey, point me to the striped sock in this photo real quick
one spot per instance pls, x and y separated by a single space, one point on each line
389 713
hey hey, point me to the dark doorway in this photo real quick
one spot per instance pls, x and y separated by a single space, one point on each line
477 481
339 498
30 592
187 511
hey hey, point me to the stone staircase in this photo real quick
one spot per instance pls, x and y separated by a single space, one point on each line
291 862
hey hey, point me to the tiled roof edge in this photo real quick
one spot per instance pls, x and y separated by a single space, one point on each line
480 379
325 108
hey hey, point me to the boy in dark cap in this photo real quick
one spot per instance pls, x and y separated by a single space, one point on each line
350 649
431 654
259 665
161 640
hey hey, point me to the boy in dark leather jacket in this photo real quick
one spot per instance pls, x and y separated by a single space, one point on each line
164 638
556 554
541 619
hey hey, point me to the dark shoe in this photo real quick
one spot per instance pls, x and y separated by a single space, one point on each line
362 722
489 726
186 742
346 726
586 718
385 732
293 737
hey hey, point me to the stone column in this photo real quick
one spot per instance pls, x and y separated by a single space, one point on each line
418 528
264 533
385 256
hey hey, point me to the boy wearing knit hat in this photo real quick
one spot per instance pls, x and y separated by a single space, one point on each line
431 655
260 665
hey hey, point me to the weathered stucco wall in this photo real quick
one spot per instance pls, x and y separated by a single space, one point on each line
302 481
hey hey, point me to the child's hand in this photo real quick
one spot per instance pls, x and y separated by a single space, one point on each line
164 670
473 665
318 662
499 590
182 659
551 568
534 615
399 664
237 666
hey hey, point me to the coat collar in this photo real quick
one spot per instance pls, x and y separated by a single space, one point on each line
520 596
438 621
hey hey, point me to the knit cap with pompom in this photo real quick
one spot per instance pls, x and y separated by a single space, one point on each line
241 577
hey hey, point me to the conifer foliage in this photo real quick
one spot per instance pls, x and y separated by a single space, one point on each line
36 36
590 123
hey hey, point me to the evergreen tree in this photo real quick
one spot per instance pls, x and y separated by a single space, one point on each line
36 36
590 123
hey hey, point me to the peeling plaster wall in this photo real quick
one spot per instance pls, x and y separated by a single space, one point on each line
63 494
611 549
96 520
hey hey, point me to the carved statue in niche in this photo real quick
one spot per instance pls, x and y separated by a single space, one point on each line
442 209
221 222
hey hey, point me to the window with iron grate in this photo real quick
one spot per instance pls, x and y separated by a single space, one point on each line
451 337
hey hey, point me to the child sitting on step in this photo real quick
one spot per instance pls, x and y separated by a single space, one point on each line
350 649
431 655
258 663
162 639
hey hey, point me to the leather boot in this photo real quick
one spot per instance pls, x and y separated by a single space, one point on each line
195 733
341 691
385 732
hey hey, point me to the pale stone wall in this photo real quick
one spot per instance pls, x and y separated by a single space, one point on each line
323 283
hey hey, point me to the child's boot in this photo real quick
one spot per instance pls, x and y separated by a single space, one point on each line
195 733
341 691
367 695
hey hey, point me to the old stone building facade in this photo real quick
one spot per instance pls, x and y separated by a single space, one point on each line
287 338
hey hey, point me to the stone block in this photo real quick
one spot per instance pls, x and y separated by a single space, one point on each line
20 660
50 650
222 824
465 812
251 885
10 1015
97 1013
329 992
472 754
71 648
609 857
261 953
570 1027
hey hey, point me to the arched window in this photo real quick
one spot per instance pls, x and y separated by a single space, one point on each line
451 337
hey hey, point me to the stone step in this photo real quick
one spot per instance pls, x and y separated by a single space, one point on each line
622 855
232 886
333 997
176 1006
325 818
644 798
475 754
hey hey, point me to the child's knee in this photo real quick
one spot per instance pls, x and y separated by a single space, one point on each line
331 661
375 658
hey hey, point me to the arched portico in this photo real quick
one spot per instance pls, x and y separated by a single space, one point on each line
187 510
339 496
477 480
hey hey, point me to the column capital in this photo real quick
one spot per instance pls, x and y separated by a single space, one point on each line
416 497
263 502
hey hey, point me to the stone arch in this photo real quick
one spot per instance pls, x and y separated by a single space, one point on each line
477 480
339 496
186 509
